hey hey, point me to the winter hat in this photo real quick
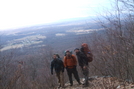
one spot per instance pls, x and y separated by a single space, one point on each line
76 49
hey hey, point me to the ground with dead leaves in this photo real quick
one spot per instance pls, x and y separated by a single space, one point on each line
101 83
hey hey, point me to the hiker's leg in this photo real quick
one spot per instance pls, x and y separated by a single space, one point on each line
82 70
76 76
61 79
69 72
58 76
86 73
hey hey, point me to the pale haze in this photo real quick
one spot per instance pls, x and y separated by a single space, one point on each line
19 13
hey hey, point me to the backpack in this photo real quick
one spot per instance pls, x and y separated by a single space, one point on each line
85 50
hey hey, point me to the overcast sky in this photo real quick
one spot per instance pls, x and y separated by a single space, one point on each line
18 13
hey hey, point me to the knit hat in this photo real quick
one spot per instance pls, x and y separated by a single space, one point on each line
76 49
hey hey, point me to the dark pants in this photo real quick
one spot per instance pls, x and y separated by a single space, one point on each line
73 71
85 71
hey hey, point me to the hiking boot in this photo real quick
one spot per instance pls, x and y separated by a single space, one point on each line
59 86
79 83
85 84
71 84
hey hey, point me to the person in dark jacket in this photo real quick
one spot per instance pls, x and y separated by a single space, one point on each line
58 65
83 63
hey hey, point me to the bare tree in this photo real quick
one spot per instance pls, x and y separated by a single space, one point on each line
114 50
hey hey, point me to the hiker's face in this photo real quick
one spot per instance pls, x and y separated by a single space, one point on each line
68 54
54 56
76 51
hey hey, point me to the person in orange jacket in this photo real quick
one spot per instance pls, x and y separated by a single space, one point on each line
70 64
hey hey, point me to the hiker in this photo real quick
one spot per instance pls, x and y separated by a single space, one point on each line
58 56
58 65
70 65
83 63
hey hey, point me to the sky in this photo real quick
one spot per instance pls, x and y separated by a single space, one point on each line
19 13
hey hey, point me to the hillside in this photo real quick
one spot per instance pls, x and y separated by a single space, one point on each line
56 34
113 52
26 53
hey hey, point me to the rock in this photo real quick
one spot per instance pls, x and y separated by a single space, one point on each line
128 80
94 77
106 76
118 86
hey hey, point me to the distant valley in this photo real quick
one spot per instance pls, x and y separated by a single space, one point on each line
55 34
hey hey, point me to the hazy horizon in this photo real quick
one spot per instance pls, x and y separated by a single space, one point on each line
21 13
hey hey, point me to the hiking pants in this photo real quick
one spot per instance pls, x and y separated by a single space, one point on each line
73 71
85 73
60 77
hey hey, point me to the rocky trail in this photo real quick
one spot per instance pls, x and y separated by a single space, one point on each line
101 83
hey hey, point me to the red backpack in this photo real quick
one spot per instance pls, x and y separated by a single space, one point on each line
85 49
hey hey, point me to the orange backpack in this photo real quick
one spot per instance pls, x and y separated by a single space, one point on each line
85 50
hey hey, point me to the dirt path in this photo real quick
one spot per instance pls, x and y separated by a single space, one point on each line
101 83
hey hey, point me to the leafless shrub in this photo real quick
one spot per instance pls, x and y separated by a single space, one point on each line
31 71
114 49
